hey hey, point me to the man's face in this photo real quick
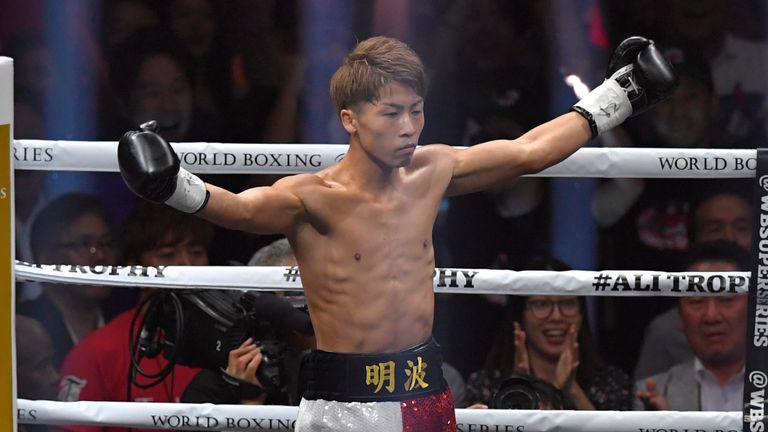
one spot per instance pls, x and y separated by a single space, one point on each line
86 241
683 120
715 326
724 217
162 92
389 128
175 252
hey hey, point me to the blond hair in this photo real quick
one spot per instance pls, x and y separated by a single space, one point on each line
373 64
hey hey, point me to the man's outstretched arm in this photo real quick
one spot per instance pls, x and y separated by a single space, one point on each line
262 210
151 169
637 78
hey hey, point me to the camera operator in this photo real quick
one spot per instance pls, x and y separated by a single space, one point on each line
239 382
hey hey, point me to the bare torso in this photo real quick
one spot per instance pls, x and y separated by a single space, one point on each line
367 259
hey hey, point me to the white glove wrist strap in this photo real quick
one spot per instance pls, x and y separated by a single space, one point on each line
608 105
190 194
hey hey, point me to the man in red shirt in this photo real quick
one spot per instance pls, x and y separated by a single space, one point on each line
99 367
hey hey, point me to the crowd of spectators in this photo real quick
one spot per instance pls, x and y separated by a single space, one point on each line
236 71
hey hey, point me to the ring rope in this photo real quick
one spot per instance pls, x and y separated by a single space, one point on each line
446 280
223 158
183 416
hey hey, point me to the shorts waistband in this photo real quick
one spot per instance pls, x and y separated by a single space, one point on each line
377 377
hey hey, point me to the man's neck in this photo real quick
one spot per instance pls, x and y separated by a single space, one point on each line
81 316
723 372
366 173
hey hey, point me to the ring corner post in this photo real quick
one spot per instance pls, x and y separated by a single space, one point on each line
755 418
7 364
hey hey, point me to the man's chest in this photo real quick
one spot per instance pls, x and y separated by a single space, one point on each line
354 213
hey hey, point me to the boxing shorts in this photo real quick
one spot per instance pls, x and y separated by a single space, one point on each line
402 391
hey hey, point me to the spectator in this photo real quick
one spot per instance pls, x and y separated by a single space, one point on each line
722 215
548 337
153 75
99 368
73 229
715 327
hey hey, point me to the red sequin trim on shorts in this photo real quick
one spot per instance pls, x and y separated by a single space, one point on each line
434 413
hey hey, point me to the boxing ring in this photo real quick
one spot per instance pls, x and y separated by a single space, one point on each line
222 158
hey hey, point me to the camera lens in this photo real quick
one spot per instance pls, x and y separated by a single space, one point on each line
516 393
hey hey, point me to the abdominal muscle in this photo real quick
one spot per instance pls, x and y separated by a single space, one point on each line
371 298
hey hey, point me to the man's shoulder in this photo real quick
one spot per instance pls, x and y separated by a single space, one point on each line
297 181
433 150
433 155
674 373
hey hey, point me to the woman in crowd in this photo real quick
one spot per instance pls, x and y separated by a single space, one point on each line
547 339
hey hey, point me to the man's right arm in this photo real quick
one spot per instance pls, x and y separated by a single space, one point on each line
261 210
152 170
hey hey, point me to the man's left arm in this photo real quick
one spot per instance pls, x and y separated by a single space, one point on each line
637 78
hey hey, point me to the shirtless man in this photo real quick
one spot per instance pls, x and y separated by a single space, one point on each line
370 217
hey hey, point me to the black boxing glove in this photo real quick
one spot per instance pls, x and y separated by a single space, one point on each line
638 77
151 170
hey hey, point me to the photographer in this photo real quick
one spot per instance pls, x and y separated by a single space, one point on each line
546 338
239 383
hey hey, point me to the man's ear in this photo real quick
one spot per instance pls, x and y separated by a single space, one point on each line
348 120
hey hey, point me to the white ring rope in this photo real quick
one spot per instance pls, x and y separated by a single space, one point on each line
181 416
446 280
220 158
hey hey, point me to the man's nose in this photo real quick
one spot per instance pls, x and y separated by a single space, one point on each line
712 310
408 126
